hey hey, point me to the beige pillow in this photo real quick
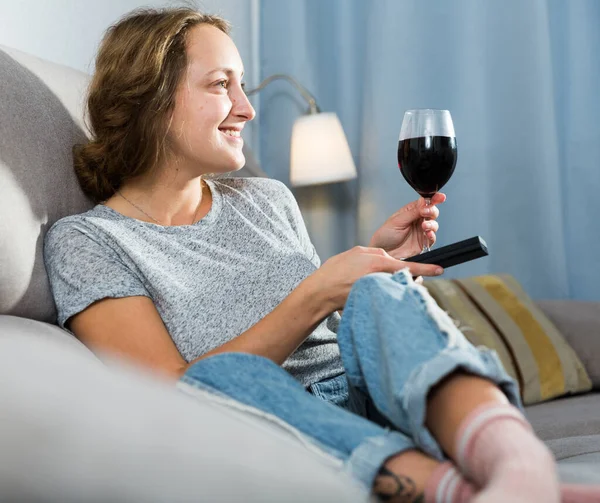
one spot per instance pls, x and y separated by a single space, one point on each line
494 311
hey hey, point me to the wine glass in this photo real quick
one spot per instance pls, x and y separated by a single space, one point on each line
427 152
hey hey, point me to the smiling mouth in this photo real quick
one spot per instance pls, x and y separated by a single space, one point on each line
231 132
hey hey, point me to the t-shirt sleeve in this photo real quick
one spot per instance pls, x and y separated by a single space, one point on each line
82 270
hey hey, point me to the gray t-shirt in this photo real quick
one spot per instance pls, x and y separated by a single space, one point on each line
209 281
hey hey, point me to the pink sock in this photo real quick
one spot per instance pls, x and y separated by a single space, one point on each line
497 449
571 493
447 485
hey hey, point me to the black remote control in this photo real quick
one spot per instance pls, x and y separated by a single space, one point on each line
453 254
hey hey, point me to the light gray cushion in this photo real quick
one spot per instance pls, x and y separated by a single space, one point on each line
41 118
566 417
14 326
72 430
570 427
579 323
582 469
569 447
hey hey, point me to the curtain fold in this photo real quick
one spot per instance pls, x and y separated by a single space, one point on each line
521 80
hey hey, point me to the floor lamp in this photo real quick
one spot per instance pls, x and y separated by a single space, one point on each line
319 148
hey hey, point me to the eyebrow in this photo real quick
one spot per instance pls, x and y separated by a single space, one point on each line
224 70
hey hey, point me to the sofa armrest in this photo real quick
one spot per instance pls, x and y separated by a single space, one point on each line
73 431
579 323
15 326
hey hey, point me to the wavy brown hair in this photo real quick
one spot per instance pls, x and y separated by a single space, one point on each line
141 60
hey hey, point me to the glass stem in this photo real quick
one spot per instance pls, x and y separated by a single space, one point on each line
426 247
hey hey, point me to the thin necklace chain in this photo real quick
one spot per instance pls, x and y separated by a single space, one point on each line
154 219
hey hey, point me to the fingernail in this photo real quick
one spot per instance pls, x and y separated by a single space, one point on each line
428 226
426 211
439 271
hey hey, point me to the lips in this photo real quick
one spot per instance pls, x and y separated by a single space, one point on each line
234 133
232 137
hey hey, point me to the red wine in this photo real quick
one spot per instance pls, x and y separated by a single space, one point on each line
427 163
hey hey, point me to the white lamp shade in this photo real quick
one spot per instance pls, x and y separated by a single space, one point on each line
320 151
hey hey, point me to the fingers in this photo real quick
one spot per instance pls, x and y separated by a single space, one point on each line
431 211
371 250
423 269
438 198
431 238
392 265
383 262
430 225
418 209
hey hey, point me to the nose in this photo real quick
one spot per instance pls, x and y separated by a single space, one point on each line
242 107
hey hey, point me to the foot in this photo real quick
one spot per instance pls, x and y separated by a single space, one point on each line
498 450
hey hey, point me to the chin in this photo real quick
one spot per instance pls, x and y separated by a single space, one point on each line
236 163
231 166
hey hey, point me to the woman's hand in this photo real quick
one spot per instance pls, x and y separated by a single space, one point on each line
403 234
334 279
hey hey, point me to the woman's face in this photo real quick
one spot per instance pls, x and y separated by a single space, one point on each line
211 107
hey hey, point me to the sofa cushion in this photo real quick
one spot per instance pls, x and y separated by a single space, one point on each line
579 323
566 417
494 311
570 447
14 326
40 120
581 469
72 431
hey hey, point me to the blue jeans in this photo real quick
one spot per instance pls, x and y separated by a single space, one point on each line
396 344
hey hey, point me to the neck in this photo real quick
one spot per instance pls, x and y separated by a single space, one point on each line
167 202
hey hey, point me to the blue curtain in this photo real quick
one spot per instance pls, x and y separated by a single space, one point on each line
522 81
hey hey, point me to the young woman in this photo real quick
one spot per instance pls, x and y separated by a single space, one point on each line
215 282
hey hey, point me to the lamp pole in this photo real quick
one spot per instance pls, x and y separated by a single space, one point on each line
310 99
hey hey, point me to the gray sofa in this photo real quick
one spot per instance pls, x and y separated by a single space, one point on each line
75 429
570 426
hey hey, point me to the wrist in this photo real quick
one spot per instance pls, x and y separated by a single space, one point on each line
316 298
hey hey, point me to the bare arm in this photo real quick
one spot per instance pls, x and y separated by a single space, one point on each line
132 327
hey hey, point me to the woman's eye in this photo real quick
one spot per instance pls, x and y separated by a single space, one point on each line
222 83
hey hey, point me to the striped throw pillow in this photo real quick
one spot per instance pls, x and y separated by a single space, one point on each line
494 311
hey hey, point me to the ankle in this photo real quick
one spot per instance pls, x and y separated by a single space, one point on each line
496 443
448 485
480 420
403 477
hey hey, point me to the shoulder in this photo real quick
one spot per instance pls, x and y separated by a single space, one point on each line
71 225
265 195
254 185
64 228
71 233
263 191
